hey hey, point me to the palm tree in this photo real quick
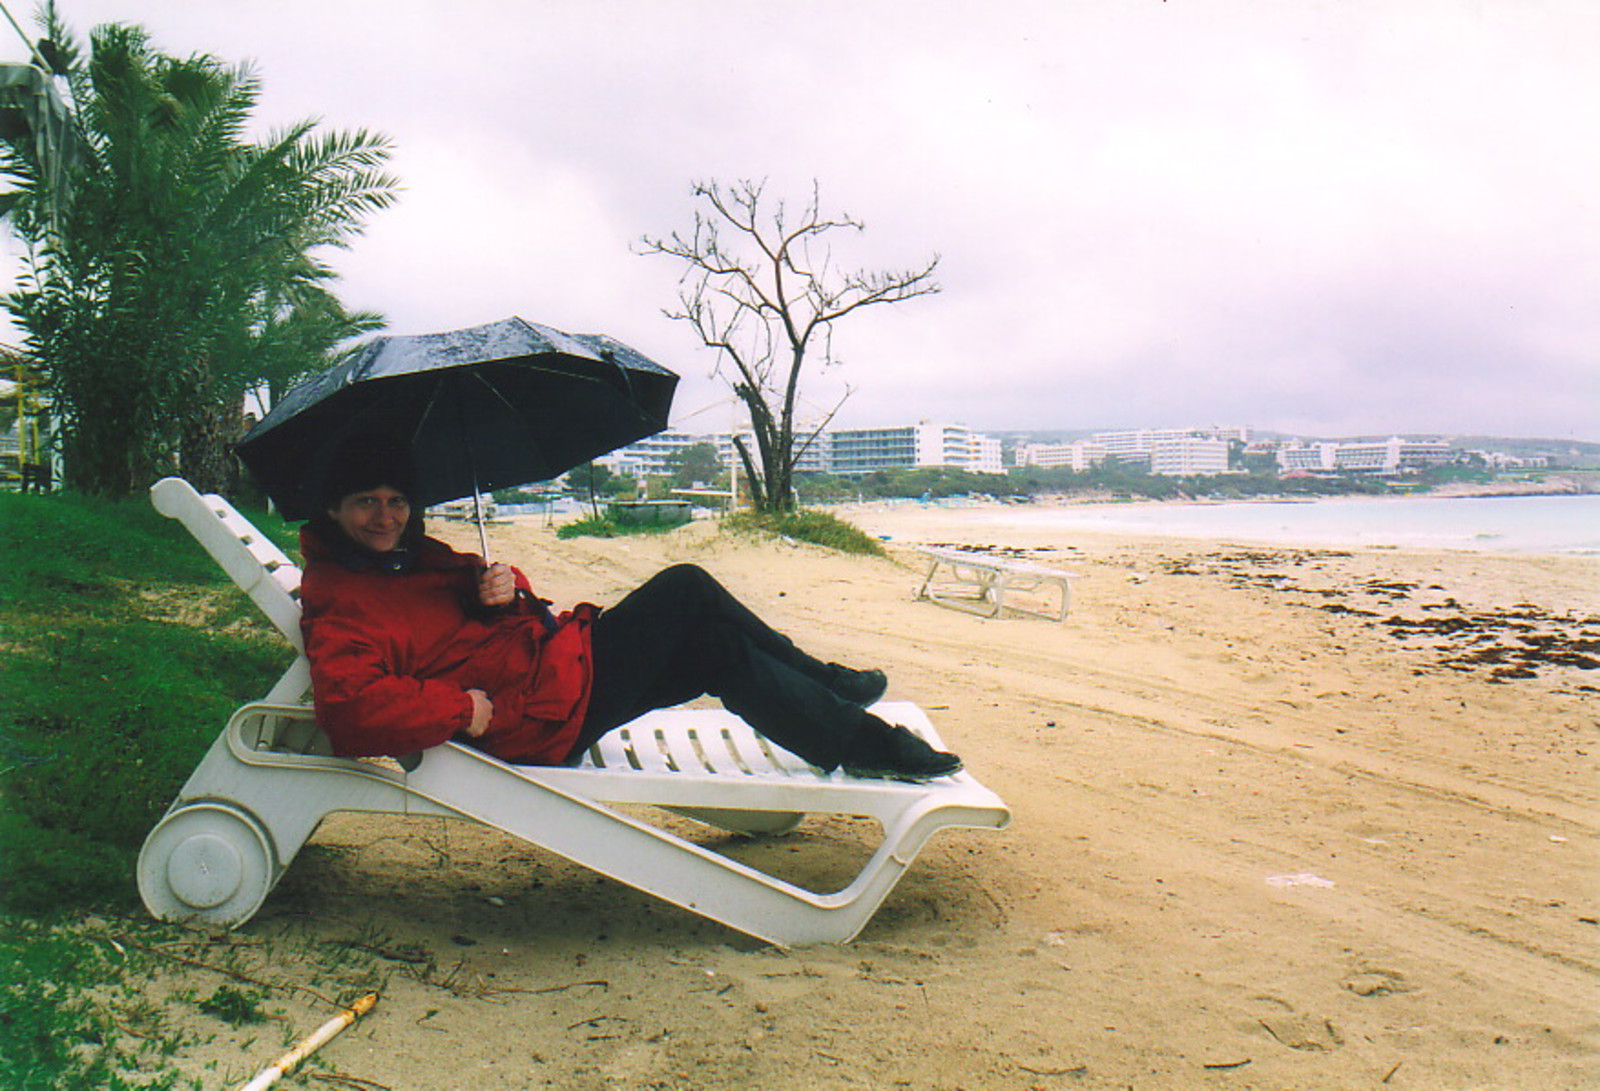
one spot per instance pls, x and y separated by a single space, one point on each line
182 269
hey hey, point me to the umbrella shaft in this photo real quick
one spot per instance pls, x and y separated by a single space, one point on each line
477 511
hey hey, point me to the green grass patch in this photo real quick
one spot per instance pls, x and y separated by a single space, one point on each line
126 649
236 1007
59 988
817 527
123 649
591 527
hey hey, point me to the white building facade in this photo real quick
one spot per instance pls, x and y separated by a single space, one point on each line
648 457
1077 456
922 445
1188 456
842 451
1390 456
1175 451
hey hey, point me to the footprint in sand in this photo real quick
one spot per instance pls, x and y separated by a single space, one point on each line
1308 1033
1375 982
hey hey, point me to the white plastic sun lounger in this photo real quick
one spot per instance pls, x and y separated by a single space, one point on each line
269 779
979 583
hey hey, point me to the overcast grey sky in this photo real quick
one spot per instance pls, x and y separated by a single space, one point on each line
1322 217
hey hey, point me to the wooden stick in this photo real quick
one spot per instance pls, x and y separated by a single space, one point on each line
323 1034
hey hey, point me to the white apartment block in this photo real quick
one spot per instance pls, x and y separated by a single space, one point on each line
1077 456
811 448
1306 458
844 451
648 457
1175 451
1187 456
957 446
1499 460
1142 441
1422 453
924 444
1376 457
991 456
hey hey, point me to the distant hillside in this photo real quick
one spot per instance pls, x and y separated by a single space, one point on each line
1562 448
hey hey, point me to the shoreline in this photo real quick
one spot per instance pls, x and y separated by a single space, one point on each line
1386 523
1069 500
1555 483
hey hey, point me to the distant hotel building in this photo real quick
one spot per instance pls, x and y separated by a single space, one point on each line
648 457
1189 456
1178 452
924 444
844 451
1077 456
863 450
1378 457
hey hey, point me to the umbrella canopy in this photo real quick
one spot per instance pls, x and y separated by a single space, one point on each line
481 409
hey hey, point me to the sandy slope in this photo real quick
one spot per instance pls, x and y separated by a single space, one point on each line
1265 837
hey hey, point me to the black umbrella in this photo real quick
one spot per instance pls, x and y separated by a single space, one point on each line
482 408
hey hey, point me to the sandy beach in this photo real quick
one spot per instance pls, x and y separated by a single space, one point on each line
1283 818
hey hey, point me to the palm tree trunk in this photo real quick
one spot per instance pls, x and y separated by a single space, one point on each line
206 453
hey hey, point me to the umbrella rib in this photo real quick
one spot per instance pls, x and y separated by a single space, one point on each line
622 372
427 411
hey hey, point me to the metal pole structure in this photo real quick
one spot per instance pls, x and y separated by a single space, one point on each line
33 47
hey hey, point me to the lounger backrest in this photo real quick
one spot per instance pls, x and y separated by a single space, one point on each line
251 560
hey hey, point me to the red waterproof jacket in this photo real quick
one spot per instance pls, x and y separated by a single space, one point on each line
393 655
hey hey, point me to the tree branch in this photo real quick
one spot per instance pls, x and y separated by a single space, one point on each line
756 278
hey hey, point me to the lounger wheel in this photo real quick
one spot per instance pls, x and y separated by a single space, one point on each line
209 862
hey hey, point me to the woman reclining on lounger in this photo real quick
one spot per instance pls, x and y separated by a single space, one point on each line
412 643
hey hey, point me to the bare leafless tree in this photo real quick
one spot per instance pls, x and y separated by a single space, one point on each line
761 289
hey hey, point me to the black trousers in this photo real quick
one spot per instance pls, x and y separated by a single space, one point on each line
681 635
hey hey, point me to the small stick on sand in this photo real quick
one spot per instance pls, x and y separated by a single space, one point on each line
323 1034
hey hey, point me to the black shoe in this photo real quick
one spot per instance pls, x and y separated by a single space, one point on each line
891 752
860 688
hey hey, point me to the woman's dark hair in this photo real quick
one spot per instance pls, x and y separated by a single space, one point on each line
366 462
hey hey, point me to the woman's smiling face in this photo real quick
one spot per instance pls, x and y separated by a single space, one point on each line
374 518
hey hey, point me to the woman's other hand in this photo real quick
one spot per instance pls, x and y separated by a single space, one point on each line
482 712
497 586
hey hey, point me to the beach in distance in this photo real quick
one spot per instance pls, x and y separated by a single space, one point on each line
1311 814
1565 524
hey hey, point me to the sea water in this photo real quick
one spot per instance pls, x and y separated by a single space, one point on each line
1522 524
